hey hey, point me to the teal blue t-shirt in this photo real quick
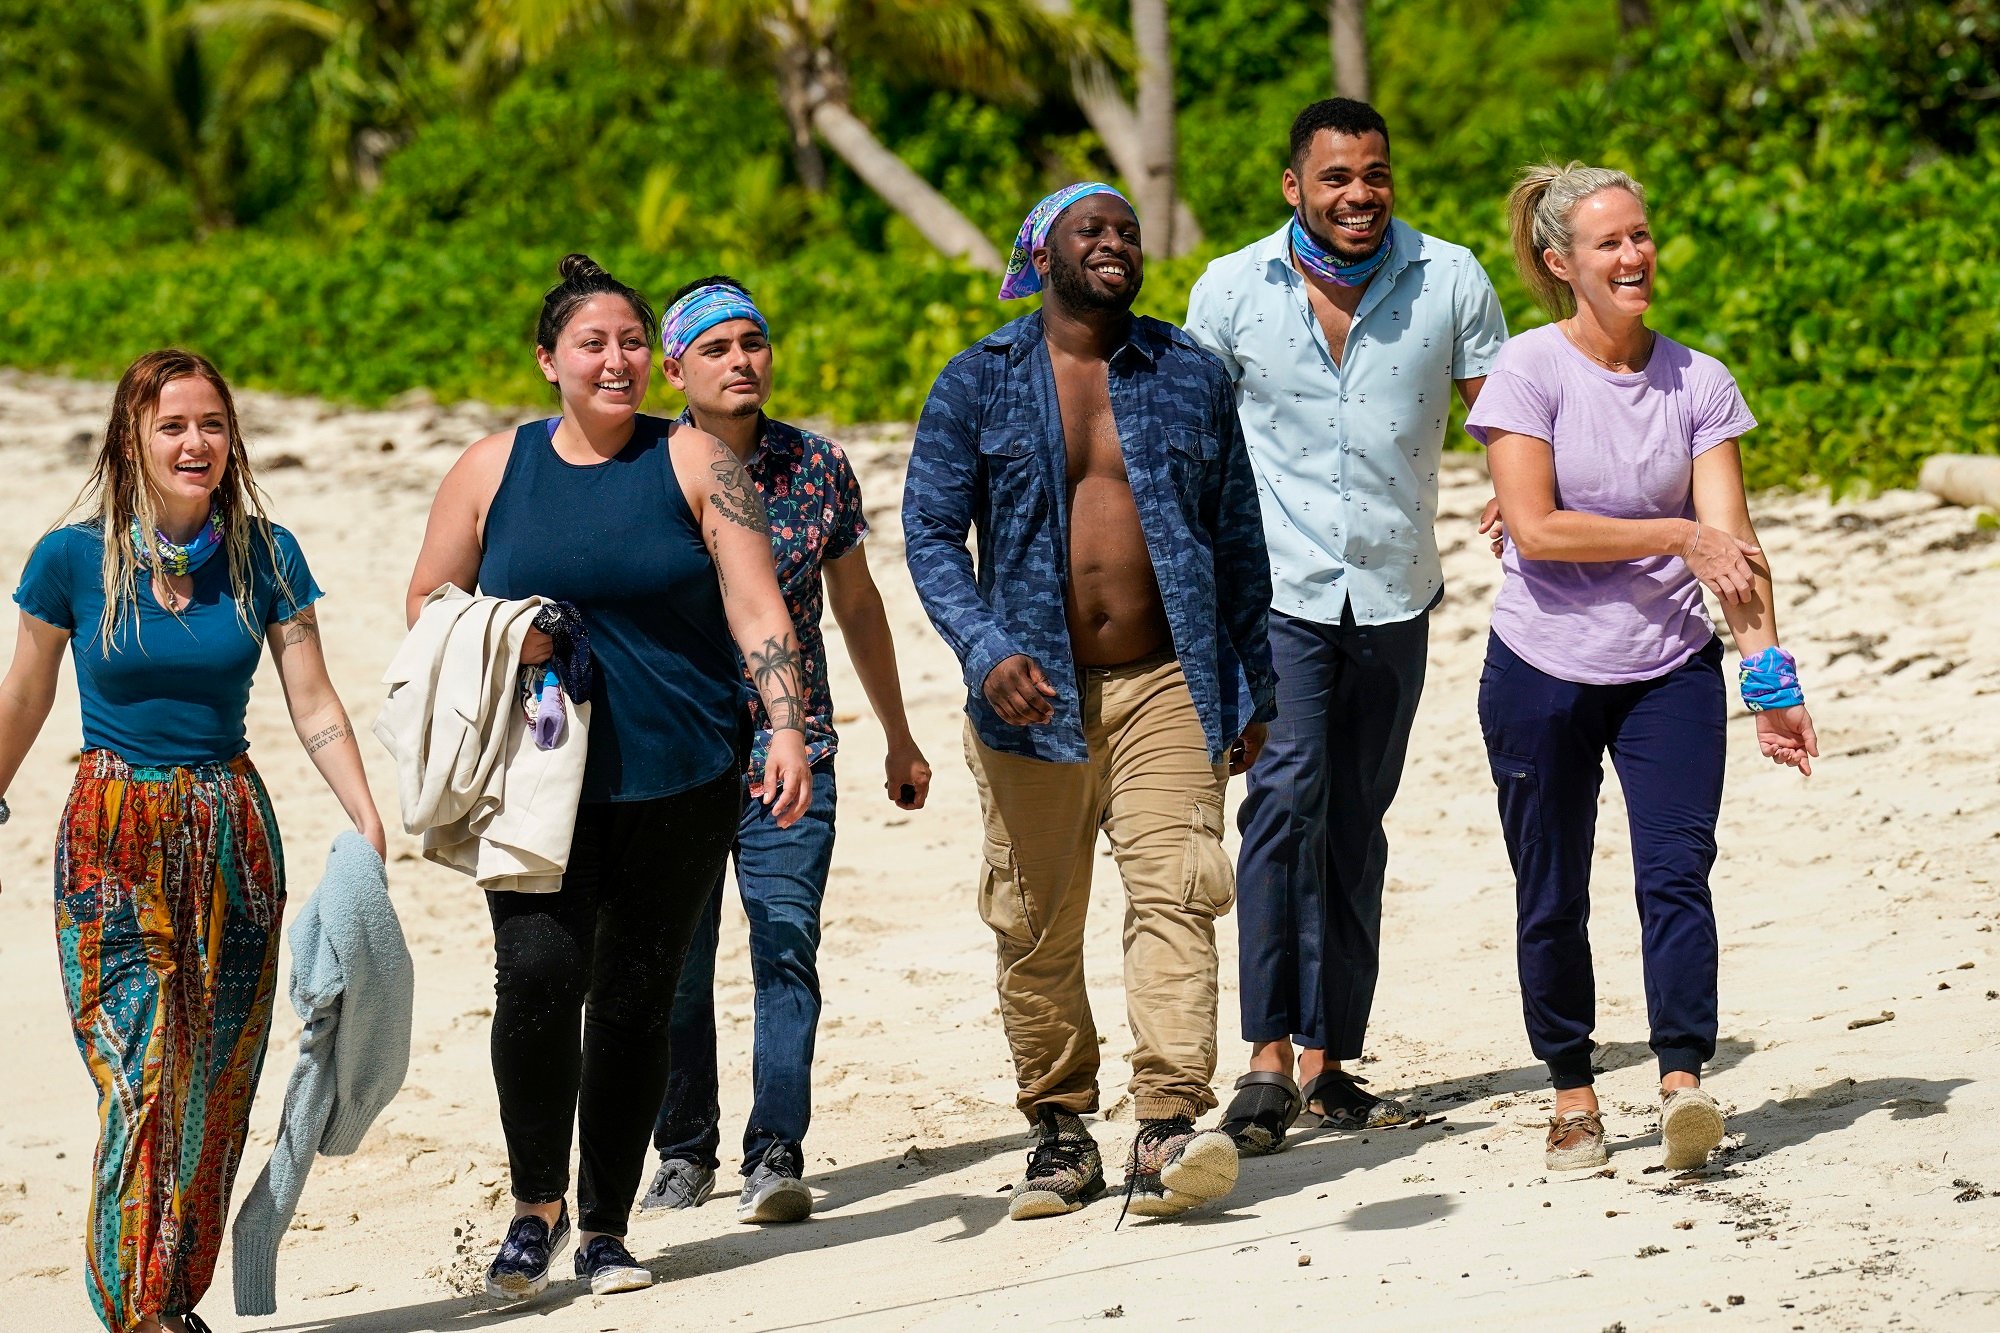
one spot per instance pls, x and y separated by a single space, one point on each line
169 689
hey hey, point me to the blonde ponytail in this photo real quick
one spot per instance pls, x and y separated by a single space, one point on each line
1539 210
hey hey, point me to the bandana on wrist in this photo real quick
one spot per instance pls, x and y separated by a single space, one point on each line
1021 279
1317 260
701 310
1769 681
177 559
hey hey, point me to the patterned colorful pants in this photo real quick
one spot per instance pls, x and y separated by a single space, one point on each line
170 887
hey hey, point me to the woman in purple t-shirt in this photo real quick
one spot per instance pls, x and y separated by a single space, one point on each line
1614 458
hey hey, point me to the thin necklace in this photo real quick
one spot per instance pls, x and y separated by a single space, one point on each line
1609 363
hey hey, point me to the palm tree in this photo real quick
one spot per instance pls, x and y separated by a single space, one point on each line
1347 29
1095 90
165 91
1153 39
998 48
376 69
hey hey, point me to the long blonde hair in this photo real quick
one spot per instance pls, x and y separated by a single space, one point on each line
1539 211
116 493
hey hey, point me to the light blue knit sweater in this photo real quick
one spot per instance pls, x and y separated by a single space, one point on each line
352 984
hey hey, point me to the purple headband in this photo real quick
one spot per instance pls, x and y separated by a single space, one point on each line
701 310
1021 279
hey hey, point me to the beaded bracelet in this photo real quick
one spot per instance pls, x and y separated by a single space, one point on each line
1769 680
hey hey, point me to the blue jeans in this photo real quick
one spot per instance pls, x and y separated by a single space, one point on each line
782 875
1546 739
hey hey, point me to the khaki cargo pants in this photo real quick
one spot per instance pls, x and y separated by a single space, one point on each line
1150 787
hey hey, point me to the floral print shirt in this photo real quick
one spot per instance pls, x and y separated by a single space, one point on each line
814 503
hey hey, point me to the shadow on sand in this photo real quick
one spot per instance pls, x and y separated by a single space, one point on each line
1315 1161
873 1184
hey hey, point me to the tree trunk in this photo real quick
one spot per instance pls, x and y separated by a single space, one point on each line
933 215
1347 28
1152 38
1104 106
1634 14
795 97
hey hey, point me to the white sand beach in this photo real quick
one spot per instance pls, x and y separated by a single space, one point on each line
1859 1187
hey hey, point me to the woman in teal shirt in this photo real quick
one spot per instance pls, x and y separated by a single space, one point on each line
170 879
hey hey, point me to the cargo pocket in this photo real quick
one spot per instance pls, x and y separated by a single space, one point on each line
1520 799
1003 903
1208 881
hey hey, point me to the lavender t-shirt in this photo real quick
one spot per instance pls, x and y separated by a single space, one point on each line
1624 447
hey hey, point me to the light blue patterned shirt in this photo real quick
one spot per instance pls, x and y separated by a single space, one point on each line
1346 456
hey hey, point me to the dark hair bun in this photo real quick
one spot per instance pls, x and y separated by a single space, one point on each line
578 266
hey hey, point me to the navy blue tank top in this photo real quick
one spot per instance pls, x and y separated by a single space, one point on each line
618 540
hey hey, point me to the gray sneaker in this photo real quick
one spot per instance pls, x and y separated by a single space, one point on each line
678 1184
774 1191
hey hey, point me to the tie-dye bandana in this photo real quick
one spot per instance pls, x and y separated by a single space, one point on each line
176 559
1021 279
1319 261
1770 680
701 310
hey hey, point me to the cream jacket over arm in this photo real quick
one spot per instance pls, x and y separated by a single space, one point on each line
486 800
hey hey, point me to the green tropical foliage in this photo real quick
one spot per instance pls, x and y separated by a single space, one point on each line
359 197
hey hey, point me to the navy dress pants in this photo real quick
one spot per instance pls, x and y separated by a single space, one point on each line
782 874
1546 739
1309 879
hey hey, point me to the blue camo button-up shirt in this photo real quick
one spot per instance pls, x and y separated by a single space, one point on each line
1347 455
990 454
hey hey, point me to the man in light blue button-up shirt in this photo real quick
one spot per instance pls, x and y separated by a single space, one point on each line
1345 332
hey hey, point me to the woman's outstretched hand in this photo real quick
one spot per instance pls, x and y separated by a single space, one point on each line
1722 563
1786 736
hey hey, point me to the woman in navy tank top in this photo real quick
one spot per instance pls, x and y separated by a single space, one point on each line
655 533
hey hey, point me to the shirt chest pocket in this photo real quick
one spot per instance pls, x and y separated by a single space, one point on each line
1191 452
1013 466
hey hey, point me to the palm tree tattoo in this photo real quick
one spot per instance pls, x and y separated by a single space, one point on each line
778 670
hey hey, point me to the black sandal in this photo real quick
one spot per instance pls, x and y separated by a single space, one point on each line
1347 1107
1266 1105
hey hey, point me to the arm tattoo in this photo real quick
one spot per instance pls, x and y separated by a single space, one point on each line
779 673
326 736
303 626
735 496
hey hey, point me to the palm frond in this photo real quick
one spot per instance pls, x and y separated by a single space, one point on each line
996 48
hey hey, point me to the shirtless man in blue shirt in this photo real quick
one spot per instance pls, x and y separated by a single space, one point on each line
1112 640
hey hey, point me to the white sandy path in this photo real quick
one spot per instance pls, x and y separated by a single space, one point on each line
1866 889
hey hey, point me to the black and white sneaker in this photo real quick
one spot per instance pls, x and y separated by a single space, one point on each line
775 1190
521 1269
610 1267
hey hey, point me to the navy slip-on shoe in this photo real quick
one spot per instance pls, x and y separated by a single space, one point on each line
521 1269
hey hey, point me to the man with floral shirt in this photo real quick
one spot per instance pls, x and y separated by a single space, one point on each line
718 353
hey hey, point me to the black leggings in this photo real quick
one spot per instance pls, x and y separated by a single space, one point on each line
609 943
